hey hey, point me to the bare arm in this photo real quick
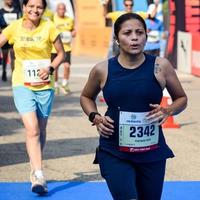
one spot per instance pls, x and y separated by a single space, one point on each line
166 76
92 88
153 13
44 73
90 92
175 90
60 53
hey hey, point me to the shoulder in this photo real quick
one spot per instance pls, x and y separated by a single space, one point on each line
165 65
69 18
47 23
16 23
100 68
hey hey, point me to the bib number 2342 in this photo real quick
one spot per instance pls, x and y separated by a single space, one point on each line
136 134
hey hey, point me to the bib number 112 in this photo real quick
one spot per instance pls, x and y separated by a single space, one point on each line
33 72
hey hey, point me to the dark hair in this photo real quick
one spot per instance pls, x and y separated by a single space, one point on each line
125 17
43 2
128 0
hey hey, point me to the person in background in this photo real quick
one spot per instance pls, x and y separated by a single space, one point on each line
10 14
128 8
155 11
154 32
32 79
132 150
65 26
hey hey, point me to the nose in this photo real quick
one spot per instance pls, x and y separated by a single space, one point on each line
35 9
134 36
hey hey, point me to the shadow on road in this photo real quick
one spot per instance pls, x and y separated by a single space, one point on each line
15 153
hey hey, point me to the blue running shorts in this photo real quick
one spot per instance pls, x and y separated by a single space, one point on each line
27 100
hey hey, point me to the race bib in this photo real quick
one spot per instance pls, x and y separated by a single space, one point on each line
31 72
10 17
66 37
136 133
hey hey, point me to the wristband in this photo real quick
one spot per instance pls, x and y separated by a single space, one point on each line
92 116
51 70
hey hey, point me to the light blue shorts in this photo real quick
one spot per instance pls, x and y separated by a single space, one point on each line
27 100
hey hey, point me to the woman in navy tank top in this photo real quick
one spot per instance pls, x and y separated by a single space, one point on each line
132 150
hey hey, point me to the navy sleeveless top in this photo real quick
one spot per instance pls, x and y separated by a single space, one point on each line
132 90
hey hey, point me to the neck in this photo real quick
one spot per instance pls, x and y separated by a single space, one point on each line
7 7
131 60
31 25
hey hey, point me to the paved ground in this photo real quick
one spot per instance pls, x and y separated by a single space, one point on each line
71 139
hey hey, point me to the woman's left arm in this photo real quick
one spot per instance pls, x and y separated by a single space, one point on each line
44 73
174 88
173 85
60 53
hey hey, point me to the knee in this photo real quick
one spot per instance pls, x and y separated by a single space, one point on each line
32 133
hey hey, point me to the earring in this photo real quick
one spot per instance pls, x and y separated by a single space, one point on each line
117 42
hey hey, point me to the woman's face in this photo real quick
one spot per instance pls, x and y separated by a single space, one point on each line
33 10
132 36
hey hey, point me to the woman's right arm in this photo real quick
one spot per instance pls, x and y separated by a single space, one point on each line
90 91
92 88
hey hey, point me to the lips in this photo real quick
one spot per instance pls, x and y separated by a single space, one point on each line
134 46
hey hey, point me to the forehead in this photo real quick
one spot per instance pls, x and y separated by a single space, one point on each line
61 6
35 2
132 24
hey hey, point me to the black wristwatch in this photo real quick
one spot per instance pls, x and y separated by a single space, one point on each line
51 70
92 116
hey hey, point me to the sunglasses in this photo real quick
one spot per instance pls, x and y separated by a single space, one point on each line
128 5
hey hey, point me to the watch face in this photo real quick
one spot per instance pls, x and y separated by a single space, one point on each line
51 70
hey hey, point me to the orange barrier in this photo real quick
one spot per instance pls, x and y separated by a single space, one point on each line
169 123
195 54
92 37
93 41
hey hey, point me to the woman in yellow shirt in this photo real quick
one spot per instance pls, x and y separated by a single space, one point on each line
32 80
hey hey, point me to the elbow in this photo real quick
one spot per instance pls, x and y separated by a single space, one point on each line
185 102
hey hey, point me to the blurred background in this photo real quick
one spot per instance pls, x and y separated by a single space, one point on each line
181 20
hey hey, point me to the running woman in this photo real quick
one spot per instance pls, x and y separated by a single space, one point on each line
132 150
65 26
32 79
9 13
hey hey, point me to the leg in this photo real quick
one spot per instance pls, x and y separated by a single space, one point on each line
66 65
66 74
4 63
12 58
42 128
56 85
66 70
33 139
150 178
119 175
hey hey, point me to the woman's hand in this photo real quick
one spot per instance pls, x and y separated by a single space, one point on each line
44 73
158 114
104 125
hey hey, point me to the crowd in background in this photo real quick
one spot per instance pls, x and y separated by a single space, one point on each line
12 10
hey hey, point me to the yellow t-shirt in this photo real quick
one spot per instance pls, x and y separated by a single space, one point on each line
64 26
47 15
114 15
29 45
